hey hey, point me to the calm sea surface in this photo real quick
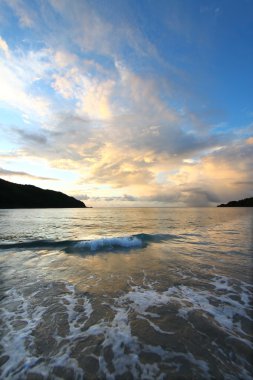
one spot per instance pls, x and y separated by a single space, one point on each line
126 293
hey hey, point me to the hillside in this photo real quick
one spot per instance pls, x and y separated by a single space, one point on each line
247 202
14 195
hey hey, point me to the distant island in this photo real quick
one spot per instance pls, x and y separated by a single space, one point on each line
247 202
13 195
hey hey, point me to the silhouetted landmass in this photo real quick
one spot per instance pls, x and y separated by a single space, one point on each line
247 202
13 195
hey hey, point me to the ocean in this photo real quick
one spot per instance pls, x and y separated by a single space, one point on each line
126 293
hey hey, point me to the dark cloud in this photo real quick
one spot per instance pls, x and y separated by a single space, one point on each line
130 198
198 196
164 197
30 137
237 154
250 183
5 172
124 198
71 138
151 131
183 196
82 197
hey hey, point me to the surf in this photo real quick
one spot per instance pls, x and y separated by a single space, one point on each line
99 244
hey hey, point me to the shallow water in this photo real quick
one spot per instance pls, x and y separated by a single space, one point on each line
126 293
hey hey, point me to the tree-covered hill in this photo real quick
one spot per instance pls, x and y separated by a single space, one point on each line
14 195
247 202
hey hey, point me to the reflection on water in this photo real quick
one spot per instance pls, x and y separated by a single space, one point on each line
93 302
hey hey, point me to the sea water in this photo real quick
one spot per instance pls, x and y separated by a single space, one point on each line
137 293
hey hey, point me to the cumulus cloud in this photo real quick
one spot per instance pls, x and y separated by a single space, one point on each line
198 197
19 74
4 47
216 172
93 113
64 58
105 157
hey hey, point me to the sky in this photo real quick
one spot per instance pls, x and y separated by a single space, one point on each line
128 102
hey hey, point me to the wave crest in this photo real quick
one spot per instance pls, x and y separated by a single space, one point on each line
98 244
109 243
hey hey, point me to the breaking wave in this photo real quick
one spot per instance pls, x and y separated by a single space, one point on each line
93 245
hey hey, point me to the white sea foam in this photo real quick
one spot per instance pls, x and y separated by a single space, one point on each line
126 349
142 302
221 306
16 310
22 316
76 319
155 327
141 299
110 242
225 304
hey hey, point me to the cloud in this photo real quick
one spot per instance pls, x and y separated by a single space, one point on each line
198 197
87 28
8 173
4 47
250 183
30 137
124 135
65 58
249 141
182 196
132 106
92 30
124 198
82 82
97 99
104 156
19 74
69 83
24 13
82 197
95 103
162 197
216 173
